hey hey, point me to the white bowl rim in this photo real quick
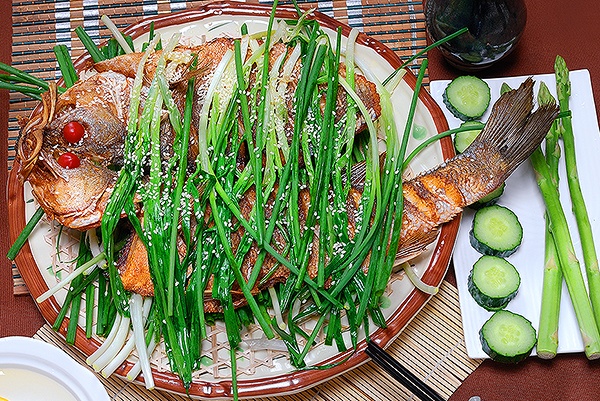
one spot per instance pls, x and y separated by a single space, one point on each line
46 359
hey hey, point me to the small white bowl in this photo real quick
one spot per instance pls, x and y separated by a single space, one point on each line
31 369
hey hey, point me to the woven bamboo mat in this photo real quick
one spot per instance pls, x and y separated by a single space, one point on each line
38 26
432 347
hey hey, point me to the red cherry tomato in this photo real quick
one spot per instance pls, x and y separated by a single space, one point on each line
73 132
69 160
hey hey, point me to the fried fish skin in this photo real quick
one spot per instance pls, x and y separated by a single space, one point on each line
511 134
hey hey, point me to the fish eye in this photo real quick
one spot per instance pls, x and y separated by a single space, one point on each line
73 131
69 160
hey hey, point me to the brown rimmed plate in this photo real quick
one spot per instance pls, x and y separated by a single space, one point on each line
276 379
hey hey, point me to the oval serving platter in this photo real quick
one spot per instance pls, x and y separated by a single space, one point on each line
268 373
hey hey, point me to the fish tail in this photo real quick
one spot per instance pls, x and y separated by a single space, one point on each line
512 132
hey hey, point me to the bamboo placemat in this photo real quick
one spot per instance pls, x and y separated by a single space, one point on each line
39 25
432 347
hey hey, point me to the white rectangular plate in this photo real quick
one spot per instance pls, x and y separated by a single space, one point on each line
522 197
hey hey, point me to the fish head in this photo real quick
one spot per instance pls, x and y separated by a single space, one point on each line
75 198
75 195
98 104
103 133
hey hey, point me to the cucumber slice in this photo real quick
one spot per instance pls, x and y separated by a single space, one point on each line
489 199
493 282
467 97
507 337
463 139
496 231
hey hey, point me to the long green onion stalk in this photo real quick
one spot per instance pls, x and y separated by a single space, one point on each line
22 82
423 51
89 44
25 233
66 65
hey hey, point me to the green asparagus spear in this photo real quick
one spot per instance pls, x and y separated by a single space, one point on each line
551 291
590 258
566 256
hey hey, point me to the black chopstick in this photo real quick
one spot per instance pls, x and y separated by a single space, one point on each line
401 373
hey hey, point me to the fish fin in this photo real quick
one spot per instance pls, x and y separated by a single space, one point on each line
416 246
358 172
29 144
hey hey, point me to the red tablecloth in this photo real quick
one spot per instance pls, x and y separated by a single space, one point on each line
569 28
18 315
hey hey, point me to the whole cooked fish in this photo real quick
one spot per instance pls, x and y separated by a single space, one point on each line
77 197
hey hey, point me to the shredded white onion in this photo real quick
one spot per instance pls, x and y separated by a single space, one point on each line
202 125
277 309
366 71
351 45
296 307
361 106
137 322
244 43
95 247
137 367
111 336
276 65
288 67
119 358
259 344
129 346
115 345
137 86
279 32
67 280
116 33
395 81
417 282
254 46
